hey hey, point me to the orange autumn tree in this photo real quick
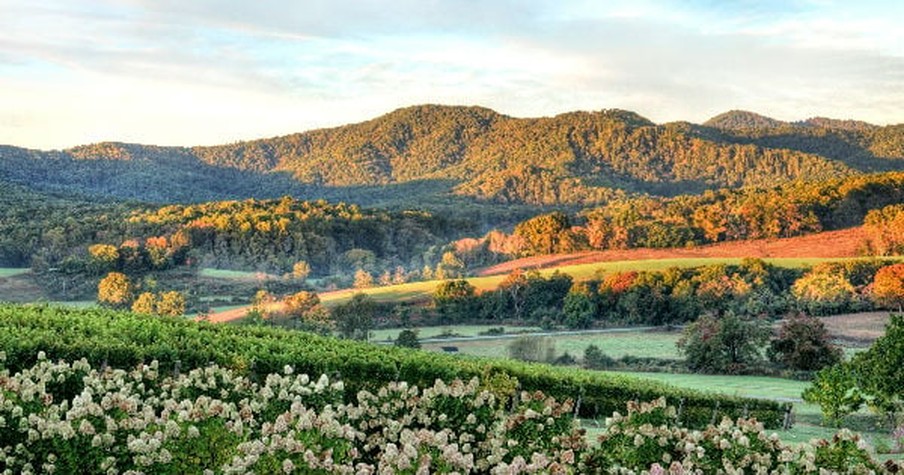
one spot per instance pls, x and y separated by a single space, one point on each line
888 287
884 229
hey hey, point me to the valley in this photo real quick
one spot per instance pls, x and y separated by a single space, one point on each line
591 256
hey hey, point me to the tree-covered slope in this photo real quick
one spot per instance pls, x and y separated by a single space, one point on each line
430 154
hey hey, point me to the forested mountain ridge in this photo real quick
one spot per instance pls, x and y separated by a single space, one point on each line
430 153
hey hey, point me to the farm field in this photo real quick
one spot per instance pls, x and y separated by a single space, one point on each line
857 330
843 243
642 344
12 271
17 285
390 334
853 332
231 274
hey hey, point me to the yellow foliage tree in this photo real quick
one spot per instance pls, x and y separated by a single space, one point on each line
145 303
115 290
170 304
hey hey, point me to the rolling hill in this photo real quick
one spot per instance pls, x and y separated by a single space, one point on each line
435 156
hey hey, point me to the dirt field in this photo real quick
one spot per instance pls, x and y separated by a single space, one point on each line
857 329
20 288
842 243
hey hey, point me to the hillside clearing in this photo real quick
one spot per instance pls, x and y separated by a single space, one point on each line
843 243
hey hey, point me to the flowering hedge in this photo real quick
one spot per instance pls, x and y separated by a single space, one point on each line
125 340
57 417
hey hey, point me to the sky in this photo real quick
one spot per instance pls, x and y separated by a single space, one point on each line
204 72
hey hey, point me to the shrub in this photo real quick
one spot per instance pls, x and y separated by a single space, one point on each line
408 339
835 390
729 344
803 343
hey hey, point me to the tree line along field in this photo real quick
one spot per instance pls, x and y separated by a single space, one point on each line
338 243
423 291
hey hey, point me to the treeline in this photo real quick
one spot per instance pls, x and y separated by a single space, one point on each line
690 220
274 236
752 288
859 144
41 230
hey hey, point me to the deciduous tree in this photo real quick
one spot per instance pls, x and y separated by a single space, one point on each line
355 318
115 290
888 287
835 390
803 343
726 344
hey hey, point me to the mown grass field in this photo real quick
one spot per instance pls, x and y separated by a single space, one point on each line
12 271
390 334
643 344
231 274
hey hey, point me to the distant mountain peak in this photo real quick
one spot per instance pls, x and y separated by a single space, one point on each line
741 120
827 123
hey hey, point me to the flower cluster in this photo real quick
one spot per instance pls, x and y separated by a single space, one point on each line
648 440
897 436
59 417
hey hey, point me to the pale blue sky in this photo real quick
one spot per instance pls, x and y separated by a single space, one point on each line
192 72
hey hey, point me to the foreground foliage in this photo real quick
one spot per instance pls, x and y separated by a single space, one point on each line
71 418
126 340
873 377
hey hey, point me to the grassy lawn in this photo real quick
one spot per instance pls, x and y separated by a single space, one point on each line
74 303
231 274
616 345
12 271
746 386
222 308
462 330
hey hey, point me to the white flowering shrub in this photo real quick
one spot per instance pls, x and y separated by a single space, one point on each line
648 441
58 417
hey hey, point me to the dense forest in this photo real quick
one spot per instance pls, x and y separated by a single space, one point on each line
788 210
59 235
268 235
448 156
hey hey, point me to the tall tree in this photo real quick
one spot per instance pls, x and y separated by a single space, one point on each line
355 318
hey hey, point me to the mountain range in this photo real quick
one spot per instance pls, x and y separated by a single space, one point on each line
437 156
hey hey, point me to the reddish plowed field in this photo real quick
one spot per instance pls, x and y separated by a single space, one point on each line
842 243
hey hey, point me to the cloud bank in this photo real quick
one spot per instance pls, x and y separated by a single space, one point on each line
204 72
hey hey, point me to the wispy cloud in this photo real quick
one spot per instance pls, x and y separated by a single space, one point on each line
205 71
